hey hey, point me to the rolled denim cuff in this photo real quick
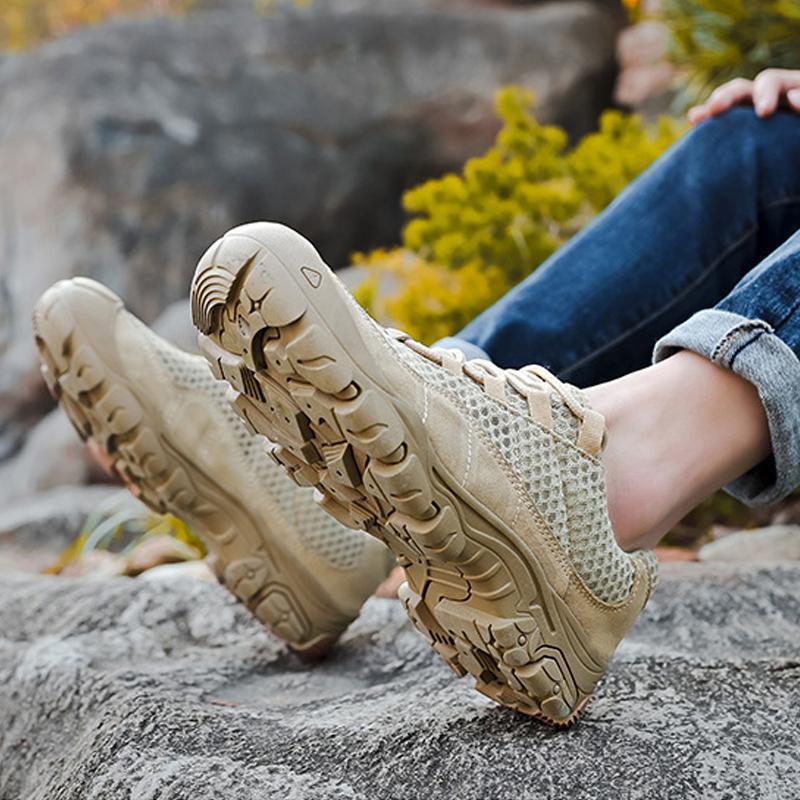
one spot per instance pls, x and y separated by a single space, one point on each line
751 349
467 348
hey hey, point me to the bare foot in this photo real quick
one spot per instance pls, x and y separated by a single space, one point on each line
677 432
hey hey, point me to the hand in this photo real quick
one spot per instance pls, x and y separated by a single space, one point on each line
770 88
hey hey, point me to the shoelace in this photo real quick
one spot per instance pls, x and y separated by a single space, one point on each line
534 383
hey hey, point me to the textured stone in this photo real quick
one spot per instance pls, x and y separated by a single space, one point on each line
53 455
123 688
126 149
34 531
53 518
777 543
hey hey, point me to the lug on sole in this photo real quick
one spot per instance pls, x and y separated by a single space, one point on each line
335 429
103 410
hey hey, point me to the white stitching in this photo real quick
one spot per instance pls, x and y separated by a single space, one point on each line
469 454
734 335
516 513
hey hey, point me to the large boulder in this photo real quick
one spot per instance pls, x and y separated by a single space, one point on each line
53 455
122 688
127 148
776 543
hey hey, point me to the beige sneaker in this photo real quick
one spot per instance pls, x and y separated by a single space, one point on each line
485 483
172 434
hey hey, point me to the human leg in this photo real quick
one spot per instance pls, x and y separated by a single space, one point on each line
721 406
676 241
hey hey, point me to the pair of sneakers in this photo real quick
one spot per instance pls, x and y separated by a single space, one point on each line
485 484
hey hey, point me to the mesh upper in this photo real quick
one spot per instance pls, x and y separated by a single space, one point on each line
340 547
565 485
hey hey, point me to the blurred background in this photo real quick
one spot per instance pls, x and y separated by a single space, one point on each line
436 151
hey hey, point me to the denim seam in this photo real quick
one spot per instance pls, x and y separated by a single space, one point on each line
788 314
789 200
744 344
674 299
784 201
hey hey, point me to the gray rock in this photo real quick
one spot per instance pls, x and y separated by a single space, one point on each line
777 543
52 519
131 689
126 149
35 530
175 325
53 455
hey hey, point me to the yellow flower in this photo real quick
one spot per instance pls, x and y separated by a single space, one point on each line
476 233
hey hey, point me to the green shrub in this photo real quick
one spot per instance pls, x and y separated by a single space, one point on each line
716 40
476 234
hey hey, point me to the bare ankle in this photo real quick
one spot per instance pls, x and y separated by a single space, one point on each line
677 431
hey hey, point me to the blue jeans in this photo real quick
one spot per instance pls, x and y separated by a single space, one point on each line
702 252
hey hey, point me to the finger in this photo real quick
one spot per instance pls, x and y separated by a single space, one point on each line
729 94
793 96
697 114
767 88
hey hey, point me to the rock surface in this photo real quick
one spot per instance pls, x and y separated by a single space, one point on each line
126 149
53 455
777 543
55 517
34 531
132 689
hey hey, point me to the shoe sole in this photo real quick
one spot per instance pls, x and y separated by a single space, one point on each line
277 326
104 407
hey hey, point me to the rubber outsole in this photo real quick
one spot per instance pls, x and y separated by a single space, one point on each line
278 327
105 408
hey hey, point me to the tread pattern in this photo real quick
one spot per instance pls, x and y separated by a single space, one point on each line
104 410
334 429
